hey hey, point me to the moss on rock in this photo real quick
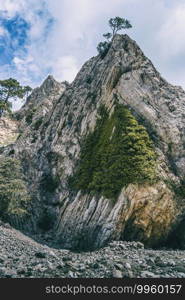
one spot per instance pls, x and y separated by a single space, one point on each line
118 152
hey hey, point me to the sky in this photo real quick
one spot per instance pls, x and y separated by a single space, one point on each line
42 37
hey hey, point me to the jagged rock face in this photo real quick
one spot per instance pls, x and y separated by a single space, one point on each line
50 146
40 103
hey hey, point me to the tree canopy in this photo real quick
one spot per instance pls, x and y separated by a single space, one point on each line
116 24
10 89
118 152
14 197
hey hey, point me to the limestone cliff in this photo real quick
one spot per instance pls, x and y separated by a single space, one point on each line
58 126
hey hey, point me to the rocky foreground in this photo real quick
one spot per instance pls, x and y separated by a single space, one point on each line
21 256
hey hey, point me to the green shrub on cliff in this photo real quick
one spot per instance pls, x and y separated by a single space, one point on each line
13 193
117 153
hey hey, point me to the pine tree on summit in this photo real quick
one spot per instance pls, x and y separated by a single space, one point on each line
116 24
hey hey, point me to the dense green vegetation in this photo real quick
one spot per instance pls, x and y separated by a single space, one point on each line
116 153
13 194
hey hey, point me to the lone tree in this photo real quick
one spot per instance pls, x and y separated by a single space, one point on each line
116 24
10 89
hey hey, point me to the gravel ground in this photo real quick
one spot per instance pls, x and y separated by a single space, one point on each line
21 256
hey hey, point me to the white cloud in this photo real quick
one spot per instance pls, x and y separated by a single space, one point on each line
171 35
25 65
157 27
80 21
76 32
10 7
65 68
2 31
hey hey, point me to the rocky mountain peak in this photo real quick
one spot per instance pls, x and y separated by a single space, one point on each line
47 89
42 98
50 85
104 158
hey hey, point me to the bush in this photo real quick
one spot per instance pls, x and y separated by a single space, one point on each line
13 193
103 48
37 124
117 153
29 115
29 118
50 182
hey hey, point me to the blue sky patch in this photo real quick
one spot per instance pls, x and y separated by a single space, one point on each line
16 38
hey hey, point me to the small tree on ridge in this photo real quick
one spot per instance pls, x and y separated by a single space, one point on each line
116 24
10 89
